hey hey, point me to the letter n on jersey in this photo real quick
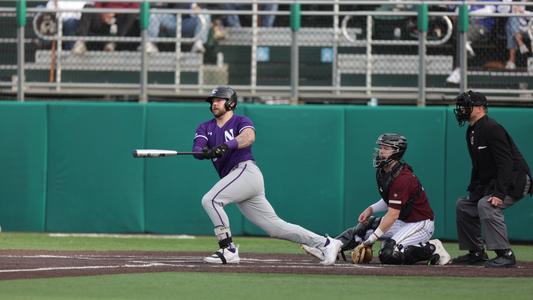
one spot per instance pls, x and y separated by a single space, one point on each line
228 135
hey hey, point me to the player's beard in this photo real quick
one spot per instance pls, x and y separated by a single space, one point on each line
218 112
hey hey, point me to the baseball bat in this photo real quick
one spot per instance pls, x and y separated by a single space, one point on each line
146 153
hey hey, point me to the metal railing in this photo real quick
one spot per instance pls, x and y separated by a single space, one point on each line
317 51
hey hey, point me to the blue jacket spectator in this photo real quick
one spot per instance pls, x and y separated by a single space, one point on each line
193 25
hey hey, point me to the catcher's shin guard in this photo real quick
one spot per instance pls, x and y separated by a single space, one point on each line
389 255
353 236
413 254
361 229
375 223
349 239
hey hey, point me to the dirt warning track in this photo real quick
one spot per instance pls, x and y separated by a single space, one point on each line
28 264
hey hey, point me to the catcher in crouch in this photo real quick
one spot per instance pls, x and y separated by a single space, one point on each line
407 226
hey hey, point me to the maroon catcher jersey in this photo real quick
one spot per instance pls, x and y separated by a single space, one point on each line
405 187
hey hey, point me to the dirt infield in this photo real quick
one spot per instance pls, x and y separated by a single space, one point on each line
28 264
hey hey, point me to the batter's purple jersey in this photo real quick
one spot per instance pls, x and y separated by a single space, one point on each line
208 134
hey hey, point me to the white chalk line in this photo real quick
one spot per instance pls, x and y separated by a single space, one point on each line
126 236
99 257
90 267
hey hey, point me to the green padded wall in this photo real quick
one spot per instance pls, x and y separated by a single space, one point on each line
519 123
68 166
300 152
23 161
424 130
174 186
93 181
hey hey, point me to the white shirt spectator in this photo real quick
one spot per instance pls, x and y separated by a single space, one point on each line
66 4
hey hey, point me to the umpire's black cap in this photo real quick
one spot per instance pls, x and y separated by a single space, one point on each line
471 98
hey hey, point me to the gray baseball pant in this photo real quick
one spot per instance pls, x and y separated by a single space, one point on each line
473 216
245 187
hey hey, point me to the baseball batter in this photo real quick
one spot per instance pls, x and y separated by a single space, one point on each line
227 140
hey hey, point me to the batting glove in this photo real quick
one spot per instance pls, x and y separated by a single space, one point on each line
218 151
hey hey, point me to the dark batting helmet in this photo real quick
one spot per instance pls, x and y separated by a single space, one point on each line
464 104
224 92
393 140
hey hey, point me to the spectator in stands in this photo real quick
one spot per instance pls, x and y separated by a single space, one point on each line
234 20
194 25
516 29
479 30
107 23
268 20
70 20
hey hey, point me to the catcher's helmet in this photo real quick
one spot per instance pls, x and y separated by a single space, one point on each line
464 104
393 140
224 92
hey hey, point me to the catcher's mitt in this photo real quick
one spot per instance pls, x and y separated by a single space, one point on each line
362 254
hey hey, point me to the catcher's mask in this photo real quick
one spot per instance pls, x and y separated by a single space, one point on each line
398 144
464 104
224 92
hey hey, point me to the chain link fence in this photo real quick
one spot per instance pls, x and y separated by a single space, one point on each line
8 55
346 51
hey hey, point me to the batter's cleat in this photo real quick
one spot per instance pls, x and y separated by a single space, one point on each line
444 257
224 256
331 250
503 260
471 258
313 251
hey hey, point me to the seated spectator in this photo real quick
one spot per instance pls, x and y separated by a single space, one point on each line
70 20
232 20
267 20
194 25
516 29
438 26
479 30
105 24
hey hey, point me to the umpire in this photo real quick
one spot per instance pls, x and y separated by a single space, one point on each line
500 177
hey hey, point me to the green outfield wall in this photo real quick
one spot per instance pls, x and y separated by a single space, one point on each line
67 166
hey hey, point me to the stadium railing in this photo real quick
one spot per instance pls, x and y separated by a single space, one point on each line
349 51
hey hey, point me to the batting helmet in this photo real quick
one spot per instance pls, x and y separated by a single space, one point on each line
224 92
464 104
393 140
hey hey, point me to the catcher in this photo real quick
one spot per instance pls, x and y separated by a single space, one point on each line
408 224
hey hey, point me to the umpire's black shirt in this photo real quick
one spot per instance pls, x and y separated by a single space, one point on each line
498 168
